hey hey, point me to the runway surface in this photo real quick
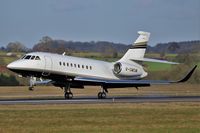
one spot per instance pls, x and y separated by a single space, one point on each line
94 100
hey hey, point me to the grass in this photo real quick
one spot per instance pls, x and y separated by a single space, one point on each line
83 118
157 66
89 118
55 92
7 60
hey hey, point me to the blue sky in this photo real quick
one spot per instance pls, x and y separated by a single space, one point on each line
27 21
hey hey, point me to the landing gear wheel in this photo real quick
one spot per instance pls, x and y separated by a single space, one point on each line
67 92
30 88
101 95
68 95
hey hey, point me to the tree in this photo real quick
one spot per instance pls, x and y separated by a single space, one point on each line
3 48
8 80
16 47
46 44
115 54
162 54
46 39
187 59
173 47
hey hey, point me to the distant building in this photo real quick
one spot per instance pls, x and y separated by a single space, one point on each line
10 54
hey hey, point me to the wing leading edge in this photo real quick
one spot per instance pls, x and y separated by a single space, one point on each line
130 83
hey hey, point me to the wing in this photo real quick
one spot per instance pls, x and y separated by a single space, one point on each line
129 83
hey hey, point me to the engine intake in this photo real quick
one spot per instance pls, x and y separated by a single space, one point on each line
117 68
125 69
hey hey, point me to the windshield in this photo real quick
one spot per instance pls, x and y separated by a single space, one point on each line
30 57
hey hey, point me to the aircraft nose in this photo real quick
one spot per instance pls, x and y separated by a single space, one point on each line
13 65
10 65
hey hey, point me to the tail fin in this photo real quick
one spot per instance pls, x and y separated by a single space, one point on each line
139 47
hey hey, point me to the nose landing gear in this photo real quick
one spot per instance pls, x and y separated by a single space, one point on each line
32 81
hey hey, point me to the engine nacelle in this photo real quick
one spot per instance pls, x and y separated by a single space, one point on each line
125 69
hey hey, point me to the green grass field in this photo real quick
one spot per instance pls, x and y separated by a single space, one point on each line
116 118
157 66
88 118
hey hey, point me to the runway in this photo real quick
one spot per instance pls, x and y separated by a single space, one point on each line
94 100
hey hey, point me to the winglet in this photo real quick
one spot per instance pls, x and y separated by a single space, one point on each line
187 76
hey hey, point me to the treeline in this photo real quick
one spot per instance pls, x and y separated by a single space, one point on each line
15 47
176 47
59 46
47 44
8 80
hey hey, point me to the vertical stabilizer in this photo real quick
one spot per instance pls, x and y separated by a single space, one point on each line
138 49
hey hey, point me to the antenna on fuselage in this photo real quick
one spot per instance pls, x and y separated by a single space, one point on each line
63 53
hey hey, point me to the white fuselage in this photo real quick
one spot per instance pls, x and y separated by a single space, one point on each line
72 66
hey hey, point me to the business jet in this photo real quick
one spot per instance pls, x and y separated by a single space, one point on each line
69 72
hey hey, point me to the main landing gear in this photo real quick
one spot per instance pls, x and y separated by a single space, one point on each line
102 93
69 95
67 92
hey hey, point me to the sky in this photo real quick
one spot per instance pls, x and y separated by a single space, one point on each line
27 21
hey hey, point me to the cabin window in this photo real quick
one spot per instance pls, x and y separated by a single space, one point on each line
74 65
90 67
71 65
78 66
63 63
67 64
82 66
37 58
33 57
86 67
27 57
60 63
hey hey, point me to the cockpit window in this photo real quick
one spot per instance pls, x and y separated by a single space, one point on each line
37 58
23 56
30 57
33 57
27 57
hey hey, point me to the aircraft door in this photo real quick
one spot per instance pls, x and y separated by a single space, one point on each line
47 66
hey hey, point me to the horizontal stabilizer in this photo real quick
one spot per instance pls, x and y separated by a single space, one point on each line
154 60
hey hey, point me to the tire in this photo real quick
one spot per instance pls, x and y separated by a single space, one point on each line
103 95
68 95
100 95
